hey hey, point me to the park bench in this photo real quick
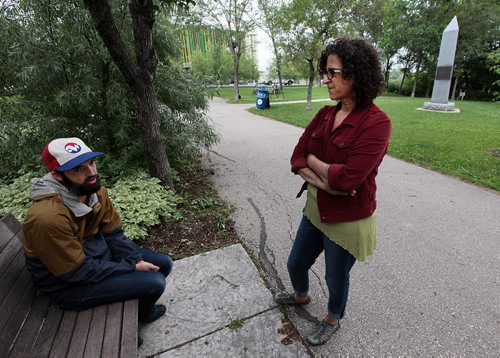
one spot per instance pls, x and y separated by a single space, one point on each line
31 325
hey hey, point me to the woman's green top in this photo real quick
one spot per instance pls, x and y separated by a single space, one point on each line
358 237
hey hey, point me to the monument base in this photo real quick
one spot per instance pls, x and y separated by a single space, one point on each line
441 107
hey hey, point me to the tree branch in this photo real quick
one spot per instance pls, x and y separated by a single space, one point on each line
101 14
142 13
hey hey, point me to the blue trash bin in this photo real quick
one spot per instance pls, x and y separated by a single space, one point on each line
262 98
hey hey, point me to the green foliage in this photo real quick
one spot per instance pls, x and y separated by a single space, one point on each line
236 324
290 69
67 85
223 218
494 62
248 68
189 133
209 206
413 30
15 196
216 66
205 202
141 201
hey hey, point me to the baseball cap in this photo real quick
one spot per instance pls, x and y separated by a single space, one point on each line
66 153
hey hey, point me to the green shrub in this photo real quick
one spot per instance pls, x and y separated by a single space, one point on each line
141 201
15 197
66 85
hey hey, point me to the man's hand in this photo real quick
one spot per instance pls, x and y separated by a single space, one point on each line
145 266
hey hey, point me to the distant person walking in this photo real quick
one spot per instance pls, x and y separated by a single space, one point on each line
461 94
338 156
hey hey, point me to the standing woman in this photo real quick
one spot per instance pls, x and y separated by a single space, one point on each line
338 156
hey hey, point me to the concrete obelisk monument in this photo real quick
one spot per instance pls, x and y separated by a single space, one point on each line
444 71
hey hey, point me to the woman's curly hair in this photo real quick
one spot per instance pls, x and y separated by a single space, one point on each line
361 62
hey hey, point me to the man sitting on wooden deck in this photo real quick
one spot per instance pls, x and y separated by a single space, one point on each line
76 250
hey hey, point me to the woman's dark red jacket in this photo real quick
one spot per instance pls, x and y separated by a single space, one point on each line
354 151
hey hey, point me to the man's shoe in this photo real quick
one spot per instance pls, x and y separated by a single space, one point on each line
156 312
323 333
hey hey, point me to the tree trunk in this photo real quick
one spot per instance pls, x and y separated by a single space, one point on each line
429 85
310 85
405 71
139 77
415 80
236 65
109 131
148 115
454 89
402 81
278 63
387 73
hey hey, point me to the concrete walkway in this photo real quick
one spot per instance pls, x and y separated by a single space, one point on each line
432 287
217 306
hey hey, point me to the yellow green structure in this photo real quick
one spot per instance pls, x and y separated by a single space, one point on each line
196 39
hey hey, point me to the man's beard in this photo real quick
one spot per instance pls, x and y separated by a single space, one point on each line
81 189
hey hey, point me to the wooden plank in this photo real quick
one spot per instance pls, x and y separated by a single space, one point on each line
11 222
6 235
16 320
9 227
10 302
112 332
63 335
44 329
129 329
11 274
48 331
96 332
4 346
8 253
28 334
80 333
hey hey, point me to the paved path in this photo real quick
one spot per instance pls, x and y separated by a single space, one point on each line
432 288
217 306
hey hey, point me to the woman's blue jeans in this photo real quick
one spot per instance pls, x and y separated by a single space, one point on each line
308 245
147 286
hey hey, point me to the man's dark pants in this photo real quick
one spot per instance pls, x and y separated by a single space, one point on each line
147 286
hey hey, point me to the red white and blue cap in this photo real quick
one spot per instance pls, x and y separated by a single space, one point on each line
66 153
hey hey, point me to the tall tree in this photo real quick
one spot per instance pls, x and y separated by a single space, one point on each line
380 22
476 40
65 83
234 17
216 66
138 74
310 23
271 22
426 25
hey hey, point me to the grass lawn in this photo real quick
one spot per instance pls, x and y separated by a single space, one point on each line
292 93
465 144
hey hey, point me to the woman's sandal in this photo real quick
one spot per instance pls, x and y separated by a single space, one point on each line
323 333
288 298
